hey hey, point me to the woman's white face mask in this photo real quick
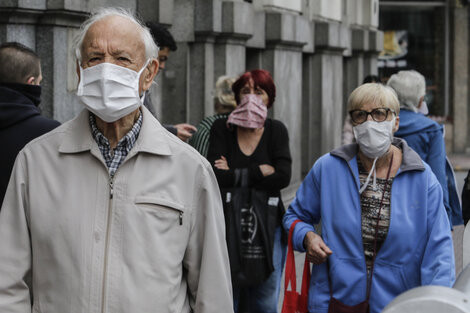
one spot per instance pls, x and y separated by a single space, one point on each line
110 91
374 138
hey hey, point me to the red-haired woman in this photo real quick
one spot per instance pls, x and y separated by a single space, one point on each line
247 140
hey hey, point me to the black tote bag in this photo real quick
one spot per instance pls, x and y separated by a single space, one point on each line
250 221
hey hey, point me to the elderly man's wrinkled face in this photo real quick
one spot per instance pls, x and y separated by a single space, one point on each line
115 40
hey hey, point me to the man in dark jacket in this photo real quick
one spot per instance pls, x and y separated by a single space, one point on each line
20 94
166 43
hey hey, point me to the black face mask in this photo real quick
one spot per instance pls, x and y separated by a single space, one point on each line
33 92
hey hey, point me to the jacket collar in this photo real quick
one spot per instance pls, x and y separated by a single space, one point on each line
152 137
411 160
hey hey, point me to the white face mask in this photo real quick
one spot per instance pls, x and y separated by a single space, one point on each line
110 91
374 138
423 109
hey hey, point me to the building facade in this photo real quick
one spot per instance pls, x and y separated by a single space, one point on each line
318 51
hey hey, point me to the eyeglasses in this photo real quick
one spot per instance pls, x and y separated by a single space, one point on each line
378 115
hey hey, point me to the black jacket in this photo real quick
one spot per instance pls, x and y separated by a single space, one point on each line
466 199
20 122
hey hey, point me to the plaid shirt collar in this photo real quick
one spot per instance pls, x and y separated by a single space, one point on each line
114 158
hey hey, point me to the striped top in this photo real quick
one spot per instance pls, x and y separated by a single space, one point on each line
200 139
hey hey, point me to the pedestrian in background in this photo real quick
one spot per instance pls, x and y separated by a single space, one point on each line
20 94
110 212
166 44
424 135
249 141
224 103
384 228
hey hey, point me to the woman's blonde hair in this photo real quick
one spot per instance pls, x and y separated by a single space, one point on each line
381 95
223 94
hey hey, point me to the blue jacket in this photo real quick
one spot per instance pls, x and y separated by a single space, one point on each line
426 137
417 251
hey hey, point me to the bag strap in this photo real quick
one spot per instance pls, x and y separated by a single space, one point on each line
241 177
290 274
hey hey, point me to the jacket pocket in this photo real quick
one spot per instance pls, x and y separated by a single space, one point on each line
394 279
318 293
349 280
161 208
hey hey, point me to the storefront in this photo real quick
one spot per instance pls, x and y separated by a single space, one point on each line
416 36
431 37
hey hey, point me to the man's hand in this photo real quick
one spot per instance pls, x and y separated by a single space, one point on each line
317 251
184 131
266 169
221 164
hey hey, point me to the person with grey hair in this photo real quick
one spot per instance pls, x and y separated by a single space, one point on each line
410 87
110 212
422 134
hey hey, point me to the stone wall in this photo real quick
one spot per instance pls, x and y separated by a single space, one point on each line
316 50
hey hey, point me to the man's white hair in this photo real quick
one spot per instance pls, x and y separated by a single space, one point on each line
410 87
151 48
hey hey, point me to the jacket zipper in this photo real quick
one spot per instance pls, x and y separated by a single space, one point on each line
360 217
108 231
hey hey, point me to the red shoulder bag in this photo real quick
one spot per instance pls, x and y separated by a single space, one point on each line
293 301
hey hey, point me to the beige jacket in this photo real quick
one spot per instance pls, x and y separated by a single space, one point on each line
152 239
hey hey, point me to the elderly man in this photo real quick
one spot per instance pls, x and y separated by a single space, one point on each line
422 134
110 212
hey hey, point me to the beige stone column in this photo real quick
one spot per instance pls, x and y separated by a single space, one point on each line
459 79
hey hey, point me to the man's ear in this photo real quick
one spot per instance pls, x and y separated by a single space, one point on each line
77 69
149 74
30 80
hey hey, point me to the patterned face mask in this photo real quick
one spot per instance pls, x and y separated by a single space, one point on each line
250 113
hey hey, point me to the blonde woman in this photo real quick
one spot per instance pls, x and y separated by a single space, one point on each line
224 103
384 226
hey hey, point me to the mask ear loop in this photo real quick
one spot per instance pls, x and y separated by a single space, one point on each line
374 184
80 83
372 170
